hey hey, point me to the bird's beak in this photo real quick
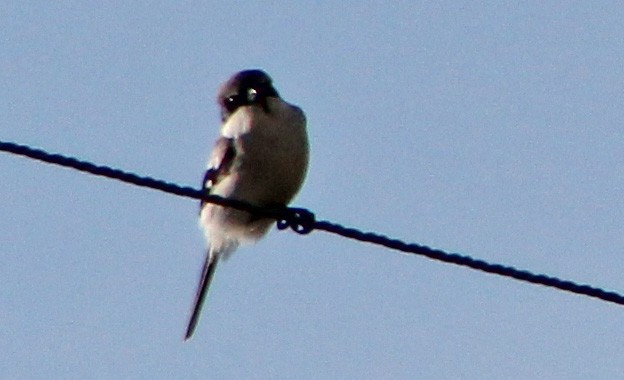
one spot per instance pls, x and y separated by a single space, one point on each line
252 95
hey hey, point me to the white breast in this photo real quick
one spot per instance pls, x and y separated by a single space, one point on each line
268 170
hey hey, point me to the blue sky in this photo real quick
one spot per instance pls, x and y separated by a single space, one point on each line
487 128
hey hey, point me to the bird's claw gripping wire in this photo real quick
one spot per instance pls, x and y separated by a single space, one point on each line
299 220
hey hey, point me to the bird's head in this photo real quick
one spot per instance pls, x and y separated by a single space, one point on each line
246 88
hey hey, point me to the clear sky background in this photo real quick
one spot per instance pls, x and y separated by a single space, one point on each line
490 129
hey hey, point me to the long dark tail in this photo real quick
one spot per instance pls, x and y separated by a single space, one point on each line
210 264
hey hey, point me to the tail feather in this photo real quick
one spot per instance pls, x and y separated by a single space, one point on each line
210 264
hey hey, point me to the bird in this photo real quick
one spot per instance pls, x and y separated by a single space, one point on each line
261 157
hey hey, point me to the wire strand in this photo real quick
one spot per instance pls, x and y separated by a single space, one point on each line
303 221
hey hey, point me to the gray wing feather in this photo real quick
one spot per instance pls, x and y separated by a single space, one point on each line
219 165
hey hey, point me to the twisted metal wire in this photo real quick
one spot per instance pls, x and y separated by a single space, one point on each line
303 221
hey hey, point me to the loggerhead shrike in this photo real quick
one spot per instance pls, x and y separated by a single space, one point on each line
261 157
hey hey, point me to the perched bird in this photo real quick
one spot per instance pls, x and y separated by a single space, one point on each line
261 158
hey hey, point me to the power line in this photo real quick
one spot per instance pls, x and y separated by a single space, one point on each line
303 221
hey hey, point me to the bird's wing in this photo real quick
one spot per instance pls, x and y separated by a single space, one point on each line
219 164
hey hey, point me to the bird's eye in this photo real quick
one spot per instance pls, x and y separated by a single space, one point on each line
231 103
